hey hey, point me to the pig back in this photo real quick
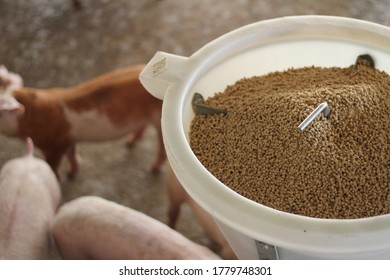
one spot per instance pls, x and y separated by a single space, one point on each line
29 197
91 227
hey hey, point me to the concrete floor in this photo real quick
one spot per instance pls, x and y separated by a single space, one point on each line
51 44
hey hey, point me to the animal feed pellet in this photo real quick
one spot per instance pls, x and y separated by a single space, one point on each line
338 167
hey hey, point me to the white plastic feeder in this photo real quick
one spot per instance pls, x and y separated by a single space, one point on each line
254 230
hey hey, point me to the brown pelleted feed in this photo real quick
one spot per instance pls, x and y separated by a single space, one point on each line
338 167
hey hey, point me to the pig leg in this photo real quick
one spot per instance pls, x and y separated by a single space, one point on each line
176 197
74 161
161 157
173 215
53 158
135 137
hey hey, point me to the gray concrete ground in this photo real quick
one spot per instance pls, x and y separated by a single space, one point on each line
51 44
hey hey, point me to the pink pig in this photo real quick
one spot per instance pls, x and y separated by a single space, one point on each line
29 197
95 228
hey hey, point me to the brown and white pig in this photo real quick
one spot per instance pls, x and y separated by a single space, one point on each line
29 198
107 107
95 228
177 196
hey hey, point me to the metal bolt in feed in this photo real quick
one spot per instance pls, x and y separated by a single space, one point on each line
365 59
322 108
202 109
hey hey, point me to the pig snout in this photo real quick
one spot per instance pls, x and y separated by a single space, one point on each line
94 228
29 198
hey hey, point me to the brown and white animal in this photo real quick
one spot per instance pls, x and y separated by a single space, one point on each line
95 228
29 198
177 196
107 107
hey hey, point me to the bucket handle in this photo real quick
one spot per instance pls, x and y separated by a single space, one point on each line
162 70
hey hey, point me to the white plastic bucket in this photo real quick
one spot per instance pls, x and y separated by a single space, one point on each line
254 230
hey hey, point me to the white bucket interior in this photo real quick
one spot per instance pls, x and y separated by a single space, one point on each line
257 49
